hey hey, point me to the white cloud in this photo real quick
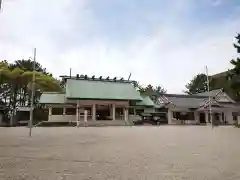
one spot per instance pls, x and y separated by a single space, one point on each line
169 56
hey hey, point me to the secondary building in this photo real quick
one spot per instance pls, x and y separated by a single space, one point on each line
92 101
195 109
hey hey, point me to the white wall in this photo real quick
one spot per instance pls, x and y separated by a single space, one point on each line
229 117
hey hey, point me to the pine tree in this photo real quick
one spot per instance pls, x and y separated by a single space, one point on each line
235 72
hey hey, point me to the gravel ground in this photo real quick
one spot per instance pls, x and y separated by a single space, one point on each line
167 152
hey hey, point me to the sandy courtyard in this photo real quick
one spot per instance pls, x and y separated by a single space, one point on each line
168 152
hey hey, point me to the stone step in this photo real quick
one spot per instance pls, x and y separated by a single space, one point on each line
82 124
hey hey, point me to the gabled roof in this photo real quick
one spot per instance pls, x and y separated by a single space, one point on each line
211 102
224 73
84 89
187 101
146 101
52 98
212 108
218 94
198 100
210 93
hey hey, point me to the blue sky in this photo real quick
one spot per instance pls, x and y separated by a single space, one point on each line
161 42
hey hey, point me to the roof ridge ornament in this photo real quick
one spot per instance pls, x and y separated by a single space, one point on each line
165 101
94 78
207 102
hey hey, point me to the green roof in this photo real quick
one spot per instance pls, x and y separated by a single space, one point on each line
52 98
145 102
90 89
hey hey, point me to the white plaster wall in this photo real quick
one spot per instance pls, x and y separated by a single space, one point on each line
197 117
229 117
170 117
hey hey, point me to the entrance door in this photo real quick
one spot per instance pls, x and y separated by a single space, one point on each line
102 112
202 118
216 118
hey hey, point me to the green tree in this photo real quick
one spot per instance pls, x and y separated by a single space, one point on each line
16 82
234 74
197 85
4 72
137 86
152 92
27 65
159 89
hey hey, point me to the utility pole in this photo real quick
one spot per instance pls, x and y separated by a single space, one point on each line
1 5
33 94
209 97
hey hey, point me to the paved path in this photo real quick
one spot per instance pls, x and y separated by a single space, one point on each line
168 152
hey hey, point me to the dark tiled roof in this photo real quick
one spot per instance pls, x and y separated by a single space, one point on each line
197 100
211 93
188 101
185 96
224 73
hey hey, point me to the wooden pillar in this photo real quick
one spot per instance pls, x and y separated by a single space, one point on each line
206 117
229 117
196 117
64 111
113 112
94 112
126 114
50 111
77 113
85 116
169 116
222 118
